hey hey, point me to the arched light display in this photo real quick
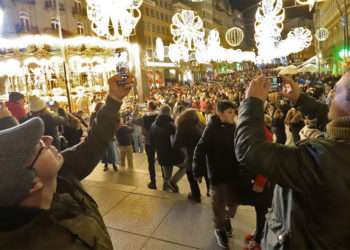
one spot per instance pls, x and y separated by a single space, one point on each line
187 29
114 19
234 36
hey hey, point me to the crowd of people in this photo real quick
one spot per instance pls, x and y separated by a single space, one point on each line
252 145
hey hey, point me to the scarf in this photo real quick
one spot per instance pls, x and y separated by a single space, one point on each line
339 128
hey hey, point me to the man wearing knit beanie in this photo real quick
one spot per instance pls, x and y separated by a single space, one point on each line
42 203
311 203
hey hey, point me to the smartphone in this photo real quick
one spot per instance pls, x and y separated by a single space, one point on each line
122 66
276 83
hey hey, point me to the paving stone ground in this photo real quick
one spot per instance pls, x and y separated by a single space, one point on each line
138 218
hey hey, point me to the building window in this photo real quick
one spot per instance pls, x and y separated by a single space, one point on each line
152 12
163 30
77 6
55 23
147 11
157 15
161 16
153 27
80 28
24 21
158 28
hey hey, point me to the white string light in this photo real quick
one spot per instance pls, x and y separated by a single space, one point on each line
114 19
187 29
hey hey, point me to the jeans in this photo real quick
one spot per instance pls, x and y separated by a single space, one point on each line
225 201
195 191
137 143
151 158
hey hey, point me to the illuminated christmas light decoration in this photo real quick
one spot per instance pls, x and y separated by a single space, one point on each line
322 34
234 36
268 27
160 50
187 29
311 3
299 39
114 19
178 52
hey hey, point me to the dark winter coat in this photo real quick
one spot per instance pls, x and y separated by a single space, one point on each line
73 222
124 135
146 123
161 132
317 172
188 137
217 146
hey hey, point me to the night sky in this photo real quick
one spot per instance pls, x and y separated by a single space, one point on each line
243 4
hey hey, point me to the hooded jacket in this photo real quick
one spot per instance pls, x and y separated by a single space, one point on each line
217 146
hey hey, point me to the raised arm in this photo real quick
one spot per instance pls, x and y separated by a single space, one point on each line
81 159
287 166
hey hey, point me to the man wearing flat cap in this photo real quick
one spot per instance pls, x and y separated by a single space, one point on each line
42 203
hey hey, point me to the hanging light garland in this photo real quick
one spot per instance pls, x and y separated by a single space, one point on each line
114 19
187 29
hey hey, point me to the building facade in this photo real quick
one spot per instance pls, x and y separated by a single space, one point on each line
40 17
330 15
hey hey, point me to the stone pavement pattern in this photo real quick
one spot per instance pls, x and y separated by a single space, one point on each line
138 218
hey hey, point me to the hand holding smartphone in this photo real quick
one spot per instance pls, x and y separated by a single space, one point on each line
122 66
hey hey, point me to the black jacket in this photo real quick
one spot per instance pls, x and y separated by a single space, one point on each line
217 145
124 135
161 131
146 123
317 171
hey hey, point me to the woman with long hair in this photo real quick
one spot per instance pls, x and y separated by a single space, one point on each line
189 130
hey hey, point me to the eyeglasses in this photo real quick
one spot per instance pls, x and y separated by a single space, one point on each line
42 147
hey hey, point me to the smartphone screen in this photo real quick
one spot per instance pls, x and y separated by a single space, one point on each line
122 65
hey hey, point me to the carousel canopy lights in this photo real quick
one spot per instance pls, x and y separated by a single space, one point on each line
187 29
41 40
114 19
234 36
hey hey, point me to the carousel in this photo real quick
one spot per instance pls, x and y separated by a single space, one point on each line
70 71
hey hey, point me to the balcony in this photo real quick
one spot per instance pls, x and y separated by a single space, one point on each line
24 1
21 29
